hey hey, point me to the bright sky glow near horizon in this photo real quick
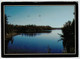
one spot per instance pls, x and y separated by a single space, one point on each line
54 15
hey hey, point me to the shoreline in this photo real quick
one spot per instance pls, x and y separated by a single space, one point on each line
10 35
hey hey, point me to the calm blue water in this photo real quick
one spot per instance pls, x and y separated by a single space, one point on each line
36 43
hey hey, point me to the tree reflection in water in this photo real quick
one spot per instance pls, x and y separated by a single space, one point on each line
6 43
35 34
30 34
26 34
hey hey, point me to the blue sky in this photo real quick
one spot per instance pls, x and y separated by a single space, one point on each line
52 15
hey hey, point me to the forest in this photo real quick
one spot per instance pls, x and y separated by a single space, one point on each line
68 36
15 29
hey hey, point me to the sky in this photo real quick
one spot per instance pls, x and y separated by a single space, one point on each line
51 15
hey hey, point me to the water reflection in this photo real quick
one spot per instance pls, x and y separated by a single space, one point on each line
30 34
35 43
6 43
35 34
49 49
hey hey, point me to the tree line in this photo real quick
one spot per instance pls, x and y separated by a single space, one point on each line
68 36
24 28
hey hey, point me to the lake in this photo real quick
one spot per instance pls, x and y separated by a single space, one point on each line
36 43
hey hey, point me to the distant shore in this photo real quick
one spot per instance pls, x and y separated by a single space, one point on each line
10 35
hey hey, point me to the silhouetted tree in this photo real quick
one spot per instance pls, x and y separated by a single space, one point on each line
69 36
6 24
